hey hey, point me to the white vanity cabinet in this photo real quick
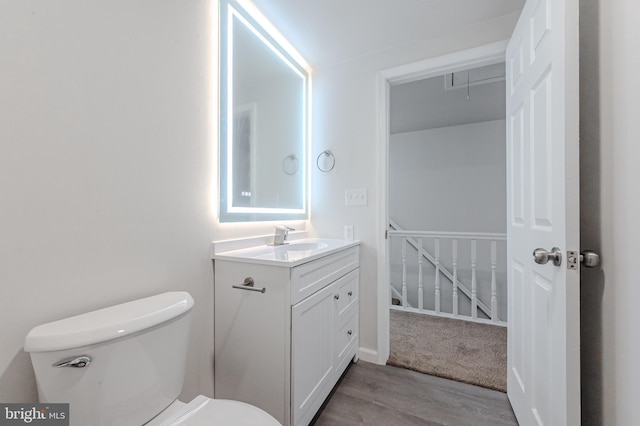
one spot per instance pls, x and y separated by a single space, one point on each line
284 350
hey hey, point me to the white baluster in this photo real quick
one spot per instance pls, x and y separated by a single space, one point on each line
454 263
474 295
494 297
420 290
437 247
404 272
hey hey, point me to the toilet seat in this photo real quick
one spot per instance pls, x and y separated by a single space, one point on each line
203 411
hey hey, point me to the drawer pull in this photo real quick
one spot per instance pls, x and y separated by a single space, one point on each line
349 332
350 293
337 296
248 285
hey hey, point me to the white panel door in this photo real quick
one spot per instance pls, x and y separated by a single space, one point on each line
543 212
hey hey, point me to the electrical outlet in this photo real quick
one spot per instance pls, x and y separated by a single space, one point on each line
348 232
355 197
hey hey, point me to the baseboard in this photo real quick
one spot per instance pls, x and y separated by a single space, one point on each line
368 355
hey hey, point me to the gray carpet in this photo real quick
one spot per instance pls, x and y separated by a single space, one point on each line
460 350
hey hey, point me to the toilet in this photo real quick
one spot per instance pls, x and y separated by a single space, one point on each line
124 366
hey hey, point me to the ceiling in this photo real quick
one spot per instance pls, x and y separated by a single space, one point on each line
331 31
426 104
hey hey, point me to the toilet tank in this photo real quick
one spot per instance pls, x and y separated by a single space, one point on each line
137 353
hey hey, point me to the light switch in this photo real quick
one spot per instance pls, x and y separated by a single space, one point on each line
355 197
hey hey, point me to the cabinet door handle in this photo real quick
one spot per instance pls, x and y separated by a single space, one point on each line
350 293
349 332
337 296
248 285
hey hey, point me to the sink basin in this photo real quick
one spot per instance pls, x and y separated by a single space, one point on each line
292 254
302 246
295 251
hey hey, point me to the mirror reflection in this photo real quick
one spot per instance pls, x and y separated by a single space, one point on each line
263 141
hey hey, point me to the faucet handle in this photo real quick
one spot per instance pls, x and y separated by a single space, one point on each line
282 232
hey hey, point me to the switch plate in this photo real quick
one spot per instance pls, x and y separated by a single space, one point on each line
355 197
348 232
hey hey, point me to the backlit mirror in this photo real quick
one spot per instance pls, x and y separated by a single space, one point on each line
264 95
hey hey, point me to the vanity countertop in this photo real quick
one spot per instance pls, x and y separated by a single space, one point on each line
292 254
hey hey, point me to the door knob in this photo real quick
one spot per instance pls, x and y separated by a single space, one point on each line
541 256
589 258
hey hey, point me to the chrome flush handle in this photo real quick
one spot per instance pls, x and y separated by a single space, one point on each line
76 362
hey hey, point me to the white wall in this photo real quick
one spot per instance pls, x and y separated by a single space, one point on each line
610 208
344 111
450 178
107 131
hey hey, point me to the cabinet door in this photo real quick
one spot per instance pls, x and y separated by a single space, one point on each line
252 337
312 353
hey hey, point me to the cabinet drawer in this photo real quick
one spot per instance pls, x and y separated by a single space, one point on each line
346 295
346 341
310 277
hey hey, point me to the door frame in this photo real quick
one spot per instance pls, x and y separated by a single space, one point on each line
432 67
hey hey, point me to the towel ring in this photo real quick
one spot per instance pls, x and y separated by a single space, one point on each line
290 165
329 161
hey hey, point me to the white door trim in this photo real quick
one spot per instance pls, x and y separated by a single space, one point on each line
458 61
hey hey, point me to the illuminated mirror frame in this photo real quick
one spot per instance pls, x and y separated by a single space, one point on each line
230 10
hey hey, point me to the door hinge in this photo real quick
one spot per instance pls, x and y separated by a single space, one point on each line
386 234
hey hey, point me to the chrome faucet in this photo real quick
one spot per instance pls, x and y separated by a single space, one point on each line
282 232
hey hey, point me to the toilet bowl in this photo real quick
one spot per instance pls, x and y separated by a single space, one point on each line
124 366
203 411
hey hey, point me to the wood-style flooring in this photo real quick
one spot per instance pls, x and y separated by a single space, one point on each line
370 394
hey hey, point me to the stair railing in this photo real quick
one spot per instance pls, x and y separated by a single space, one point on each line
415 240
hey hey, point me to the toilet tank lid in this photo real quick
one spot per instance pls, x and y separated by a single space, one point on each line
108 323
